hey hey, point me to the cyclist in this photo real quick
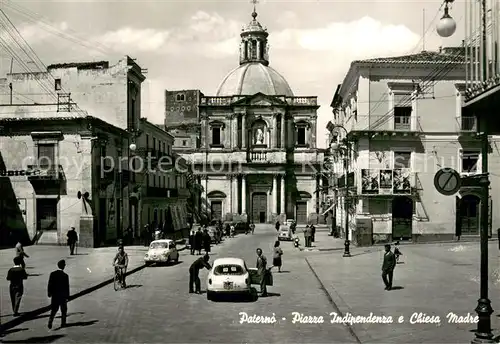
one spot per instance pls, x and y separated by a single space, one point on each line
120 262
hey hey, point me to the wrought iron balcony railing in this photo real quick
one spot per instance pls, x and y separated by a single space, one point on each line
45 172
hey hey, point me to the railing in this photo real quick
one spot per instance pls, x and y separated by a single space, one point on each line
159 192
45 172
308 101
468 123
183 192
215 101
387 123
257 156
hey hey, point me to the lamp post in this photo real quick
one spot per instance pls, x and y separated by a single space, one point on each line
337 147
445 28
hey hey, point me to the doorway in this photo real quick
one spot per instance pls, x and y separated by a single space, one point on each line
216 210
469 215
301 212
259 207
402 218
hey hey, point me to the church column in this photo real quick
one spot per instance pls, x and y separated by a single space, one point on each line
275 131
275 194
243 194
234 195
282 131
320 193
282 202
243 131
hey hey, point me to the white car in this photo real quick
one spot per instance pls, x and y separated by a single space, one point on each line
161 252
230 276
285 234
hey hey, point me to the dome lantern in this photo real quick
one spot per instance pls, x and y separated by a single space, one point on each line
254 47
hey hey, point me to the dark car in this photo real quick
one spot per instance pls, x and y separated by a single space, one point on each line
241 227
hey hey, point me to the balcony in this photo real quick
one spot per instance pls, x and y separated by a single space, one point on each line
45 172
269 156
158 192
468 124
303 101
386 182
183 193
386 125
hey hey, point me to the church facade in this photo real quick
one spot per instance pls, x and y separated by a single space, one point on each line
253 144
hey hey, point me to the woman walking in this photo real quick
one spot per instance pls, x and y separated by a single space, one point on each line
278 252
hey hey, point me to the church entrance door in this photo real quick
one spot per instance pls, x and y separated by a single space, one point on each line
259 207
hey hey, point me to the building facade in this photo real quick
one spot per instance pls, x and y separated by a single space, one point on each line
404 122
160 190
255 156
70 128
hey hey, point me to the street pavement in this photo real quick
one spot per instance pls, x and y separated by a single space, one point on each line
157 308
433 280
87 269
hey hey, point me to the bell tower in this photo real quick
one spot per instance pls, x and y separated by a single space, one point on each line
254 46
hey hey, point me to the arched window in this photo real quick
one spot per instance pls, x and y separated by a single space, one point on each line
262 50
254 50
245 53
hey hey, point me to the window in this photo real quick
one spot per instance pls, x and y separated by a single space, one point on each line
46 155
183 108
469 160
301 136
402 159
57 84
180 97
216 136
229 270
184 142
147 141
154 143
189 108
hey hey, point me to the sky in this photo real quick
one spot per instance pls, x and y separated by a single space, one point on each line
194 44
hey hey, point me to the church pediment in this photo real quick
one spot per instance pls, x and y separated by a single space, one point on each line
260 99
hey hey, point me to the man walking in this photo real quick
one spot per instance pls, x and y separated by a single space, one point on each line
307 236
194 271
262 271
72 240
58 291
16 275
21 254
388 267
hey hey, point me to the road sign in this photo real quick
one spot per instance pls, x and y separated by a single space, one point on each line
447 181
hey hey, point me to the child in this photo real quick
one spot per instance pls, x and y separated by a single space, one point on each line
397 252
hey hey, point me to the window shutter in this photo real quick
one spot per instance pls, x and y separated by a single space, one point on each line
458 216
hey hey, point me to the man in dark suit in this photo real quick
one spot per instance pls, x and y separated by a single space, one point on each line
194 271
58 291
72 240
388 267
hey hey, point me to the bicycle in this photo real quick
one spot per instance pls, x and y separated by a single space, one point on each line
118 280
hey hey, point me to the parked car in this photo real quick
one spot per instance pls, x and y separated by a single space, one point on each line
162 251
285 234
231 276
241 227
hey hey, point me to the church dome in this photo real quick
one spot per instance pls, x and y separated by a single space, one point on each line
254 77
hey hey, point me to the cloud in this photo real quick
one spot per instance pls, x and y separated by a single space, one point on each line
33 33
205 34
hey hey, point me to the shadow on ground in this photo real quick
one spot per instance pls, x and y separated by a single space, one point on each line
80 324
44 339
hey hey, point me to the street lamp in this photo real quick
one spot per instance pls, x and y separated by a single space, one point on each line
483 334
132 147
447 25
336 146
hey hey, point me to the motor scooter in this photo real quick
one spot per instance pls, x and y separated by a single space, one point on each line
296 242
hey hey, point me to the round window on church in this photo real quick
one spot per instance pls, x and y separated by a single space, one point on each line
178 108
183 108
172 108
189 108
